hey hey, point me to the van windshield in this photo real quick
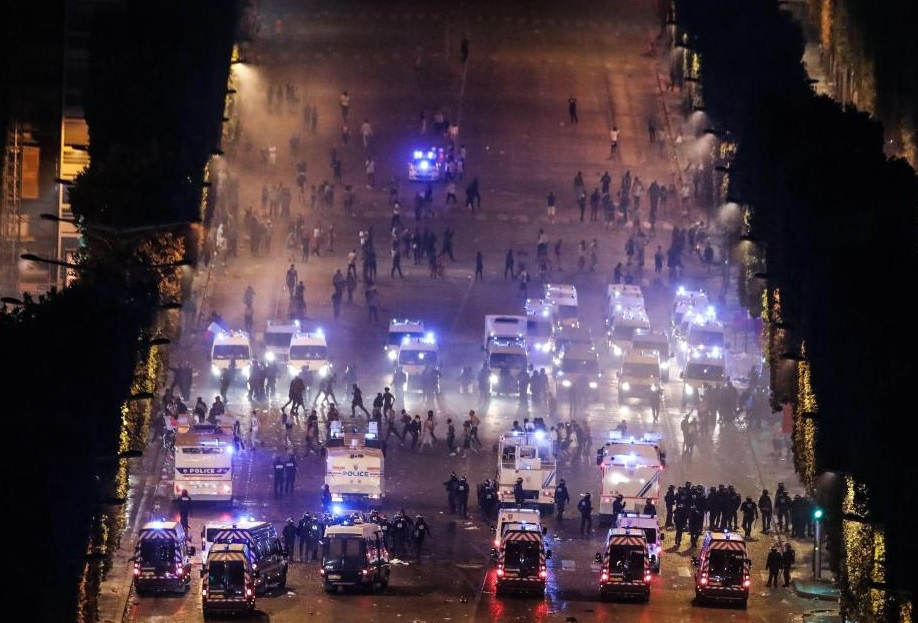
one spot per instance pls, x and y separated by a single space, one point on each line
309 351
512 361
346 552
626 559
278 339
239 352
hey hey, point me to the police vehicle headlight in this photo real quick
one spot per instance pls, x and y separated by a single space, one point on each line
625 386
292 370
566 383
689 390
593 384
664 366
617 350
653 387
493 378
323 371
269 356
214 370
391 355
246 371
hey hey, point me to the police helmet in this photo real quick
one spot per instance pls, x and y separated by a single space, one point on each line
561 482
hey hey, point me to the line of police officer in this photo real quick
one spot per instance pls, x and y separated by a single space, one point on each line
403 535
688 505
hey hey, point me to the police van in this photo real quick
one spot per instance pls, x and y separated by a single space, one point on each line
270 559
722 569
504 327
162 558
399 329
228 347
354 555
565 306
416 356
278 334
514 517
624 570
521 560
309 351
652 533
228 580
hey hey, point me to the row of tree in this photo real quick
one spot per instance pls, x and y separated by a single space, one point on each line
830 225
83 361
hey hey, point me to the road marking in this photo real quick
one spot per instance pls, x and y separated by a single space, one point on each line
569 565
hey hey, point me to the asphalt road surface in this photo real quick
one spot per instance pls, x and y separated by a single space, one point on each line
510 100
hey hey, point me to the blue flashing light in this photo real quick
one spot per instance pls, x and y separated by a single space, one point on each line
540 434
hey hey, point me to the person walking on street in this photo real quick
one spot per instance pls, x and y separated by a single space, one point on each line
572 109
419 535
562 499
788 557
509 264
289 473
184 507
291 280
773 564
289 534
765 510
345 103
366 131
357 401
613 142
278 476
551 207
585 507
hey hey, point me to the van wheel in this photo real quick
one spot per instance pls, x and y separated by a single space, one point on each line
283 582
330 588
384 583
743 604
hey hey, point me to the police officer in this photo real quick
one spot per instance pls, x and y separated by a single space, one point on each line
302 535
184 507
278 476
316 530
289 534
585 506
401 532
765 511
669 498
562 498
289 473
450 485
488 500
420 534
649 508
326 499
618 507
680 519
519 496
462 497
695 522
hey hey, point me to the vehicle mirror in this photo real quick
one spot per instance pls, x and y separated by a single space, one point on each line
598 557
544 531
493 529
192 550
547 553
203 572
694 561
662 536
749 562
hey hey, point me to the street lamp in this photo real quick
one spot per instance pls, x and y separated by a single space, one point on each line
817 542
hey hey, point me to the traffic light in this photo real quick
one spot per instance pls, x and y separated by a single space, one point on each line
817 513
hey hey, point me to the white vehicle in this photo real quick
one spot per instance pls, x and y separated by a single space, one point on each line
640 376
278 334
690 302
630 467
703 367
565 306
620 296
702 334
399 329
355 468
504 328
231 346
578 368
415 356
564 337
652 532
539 330
623 327
203 463
309 351
529 457
506 359
648 340
514 518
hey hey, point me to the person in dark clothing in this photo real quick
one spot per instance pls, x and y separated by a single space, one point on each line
419 535
289 473
519 496
184 507
669 498
278 476
562 499
585 506
649 508
788 557
509 264
765 511
464 49
289 534
462 497
774 564
357 401
326 499
479 266
450 485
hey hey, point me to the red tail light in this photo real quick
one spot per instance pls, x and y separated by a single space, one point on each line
647 577
364 572
704 580
543 573
604 576
500 572
136 568
747 582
